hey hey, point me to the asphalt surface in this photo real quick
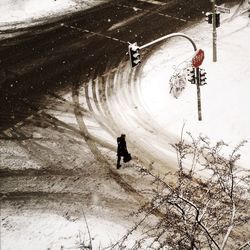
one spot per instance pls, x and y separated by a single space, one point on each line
73 49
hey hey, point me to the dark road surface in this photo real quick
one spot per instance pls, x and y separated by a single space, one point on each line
90 43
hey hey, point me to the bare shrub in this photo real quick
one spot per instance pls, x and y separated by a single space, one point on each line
205 207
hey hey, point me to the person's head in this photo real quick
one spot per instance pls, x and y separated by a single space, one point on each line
123 136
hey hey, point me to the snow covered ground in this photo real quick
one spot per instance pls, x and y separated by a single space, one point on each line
48 231
20 13
226 97
225 102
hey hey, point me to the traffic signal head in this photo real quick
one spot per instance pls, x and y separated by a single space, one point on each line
202 76
217 19
191 75
209 17
134 54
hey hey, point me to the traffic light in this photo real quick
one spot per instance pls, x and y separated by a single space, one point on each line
191 75
217 19
209 17
202 77
134 54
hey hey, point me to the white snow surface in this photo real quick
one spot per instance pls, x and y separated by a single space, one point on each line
48 231
225 105
26 11
226 97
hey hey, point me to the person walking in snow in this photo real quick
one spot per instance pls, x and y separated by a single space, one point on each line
122 150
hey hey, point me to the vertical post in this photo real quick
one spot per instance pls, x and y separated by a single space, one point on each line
198 93
214 31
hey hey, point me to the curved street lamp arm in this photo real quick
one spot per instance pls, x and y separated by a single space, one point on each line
170 36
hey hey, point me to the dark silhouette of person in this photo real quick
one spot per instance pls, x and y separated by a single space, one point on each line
121 149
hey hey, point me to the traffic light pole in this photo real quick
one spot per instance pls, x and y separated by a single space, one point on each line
198 81
214 31
197 69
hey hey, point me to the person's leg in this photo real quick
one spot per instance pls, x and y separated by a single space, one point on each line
118 161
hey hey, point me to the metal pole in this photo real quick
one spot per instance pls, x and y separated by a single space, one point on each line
169 36
214 31
198 80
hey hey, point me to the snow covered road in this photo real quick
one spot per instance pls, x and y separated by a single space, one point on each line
61 158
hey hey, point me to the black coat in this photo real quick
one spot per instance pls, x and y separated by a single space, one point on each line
122 146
